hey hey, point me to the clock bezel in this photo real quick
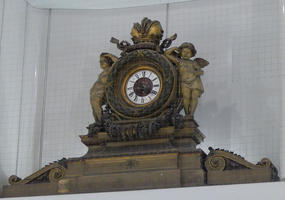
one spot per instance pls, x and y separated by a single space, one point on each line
133 71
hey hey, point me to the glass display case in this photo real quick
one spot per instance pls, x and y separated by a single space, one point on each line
49 60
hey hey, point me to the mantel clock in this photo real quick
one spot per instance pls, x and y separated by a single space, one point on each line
139 132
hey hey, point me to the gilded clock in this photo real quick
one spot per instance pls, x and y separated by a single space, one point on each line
141 84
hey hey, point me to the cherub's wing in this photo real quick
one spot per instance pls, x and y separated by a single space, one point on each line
201 62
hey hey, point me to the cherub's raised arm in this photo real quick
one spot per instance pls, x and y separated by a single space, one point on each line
169 54
112 57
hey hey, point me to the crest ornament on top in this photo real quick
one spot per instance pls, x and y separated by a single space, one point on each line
147 31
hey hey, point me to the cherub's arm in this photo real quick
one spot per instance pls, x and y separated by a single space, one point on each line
170 56
112 57
200 63
198 70
199 73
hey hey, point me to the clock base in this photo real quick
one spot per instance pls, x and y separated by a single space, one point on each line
116 173
170 159
167 139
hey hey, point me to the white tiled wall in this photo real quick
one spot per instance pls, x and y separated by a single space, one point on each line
23 57
11 62
33 91
76 40
2 5
50 59
282 95
206 25
240 109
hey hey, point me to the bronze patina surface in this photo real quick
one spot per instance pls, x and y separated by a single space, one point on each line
138 143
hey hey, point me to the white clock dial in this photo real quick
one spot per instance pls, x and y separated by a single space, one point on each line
143 87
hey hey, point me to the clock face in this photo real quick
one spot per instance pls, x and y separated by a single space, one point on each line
143 87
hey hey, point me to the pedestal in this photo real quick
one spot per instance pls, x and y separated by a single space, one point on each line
168 159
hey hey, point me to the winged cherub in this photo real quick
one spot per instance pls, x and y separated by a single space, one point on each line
189 74
97 92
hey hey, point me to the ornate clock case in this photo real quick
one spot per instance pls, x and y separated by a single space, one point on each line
142 93
141 140
142 85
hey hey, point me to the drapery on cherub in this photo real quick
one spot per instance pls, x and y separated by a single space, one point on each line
97 92
189 74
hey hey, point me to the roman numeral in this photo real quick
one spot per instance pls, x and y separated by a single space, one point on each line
142 100
143 73
130 88
131 94
149 98
136 98
153 92
136 75
149 74
154 79
156 85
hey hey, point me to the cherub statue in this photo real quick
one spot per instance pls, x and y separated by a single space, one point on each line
189 73
97 92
